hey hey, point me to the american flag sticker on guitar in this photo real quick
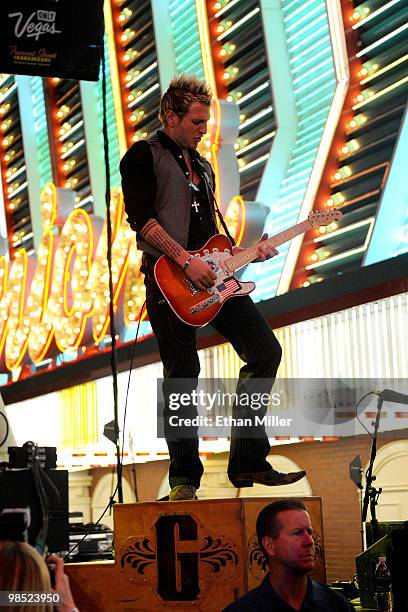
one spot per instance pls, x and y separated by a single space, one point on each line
228 287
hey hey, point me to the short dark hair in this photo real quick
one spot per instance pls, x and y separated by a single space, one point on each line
268 524
181 93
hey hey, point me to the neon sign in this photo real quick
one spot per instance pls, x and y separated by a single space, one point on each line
58 300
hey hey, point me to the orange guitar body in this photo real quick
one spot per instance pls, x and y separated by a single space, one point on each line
195 307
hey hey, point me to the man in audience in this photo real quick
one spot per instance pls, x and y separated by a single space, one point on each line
285 535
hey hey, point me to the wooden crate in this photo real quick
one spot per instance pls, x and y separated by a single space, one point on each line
197 555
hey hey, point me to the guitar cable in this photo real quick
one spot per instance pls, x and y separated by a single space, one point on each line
168 313
119 451
112 497
127 392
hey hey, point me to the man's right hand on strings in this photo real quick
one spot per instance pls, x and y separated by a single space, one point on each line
200 274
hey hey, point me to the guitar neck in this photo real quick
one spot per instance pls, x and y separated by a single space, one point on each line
250 254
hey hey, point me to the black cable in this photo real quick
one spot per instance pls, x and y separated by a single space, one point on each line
135 481
372 437
113 360
47 480
113 355
112 500
7 429
112 486
108 505
119 453
128 387
41 539
357 405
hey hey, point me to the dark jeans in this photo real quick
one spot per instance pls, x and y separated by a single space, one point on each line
241 323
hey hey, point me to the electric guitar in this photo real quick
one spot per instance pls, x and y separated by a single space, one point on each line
197 307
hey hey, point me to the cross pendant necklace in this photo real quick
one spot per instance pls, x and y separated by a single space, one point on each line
194 189
192 185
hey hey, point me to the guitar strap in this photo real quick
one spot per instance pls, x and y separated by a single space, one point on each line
210 190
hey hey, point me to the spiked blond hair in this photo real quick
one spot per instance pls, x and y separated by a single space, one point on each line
181 93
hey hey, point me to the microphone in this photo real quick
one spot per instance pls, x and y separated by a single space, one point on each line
388 395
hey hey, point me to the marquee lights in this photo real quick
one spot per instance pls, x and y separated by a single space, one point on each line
235 218
59 300
18 321
218 75
41 336
132 52
71 270
235 212
134 294
125 262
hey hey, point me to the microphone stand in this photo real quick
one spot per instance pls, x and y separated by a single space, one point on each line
371 494
356 472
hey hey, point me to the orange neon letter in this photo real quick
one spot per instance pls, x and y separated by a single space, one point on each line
68 306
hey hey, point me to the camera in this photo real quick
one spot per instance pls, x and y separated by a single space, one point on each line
14 524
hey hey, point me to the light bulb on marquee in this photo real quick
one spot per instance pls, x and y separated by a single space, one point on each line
54 307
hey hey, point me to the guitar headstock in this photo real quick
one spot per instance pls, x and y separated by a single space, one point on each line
322 217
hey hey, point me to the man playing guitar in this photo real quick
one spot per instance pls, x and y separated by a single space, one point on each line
168 190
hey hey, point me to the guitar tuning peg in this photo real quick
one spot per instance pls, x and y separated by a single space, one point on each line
215 250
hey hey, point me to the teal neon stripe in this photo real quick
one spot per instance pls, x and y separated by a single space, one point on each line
313 79
41 131
390 234
186 39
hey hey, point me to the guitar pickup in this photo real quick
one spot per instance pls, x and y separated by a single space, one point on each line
204 304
